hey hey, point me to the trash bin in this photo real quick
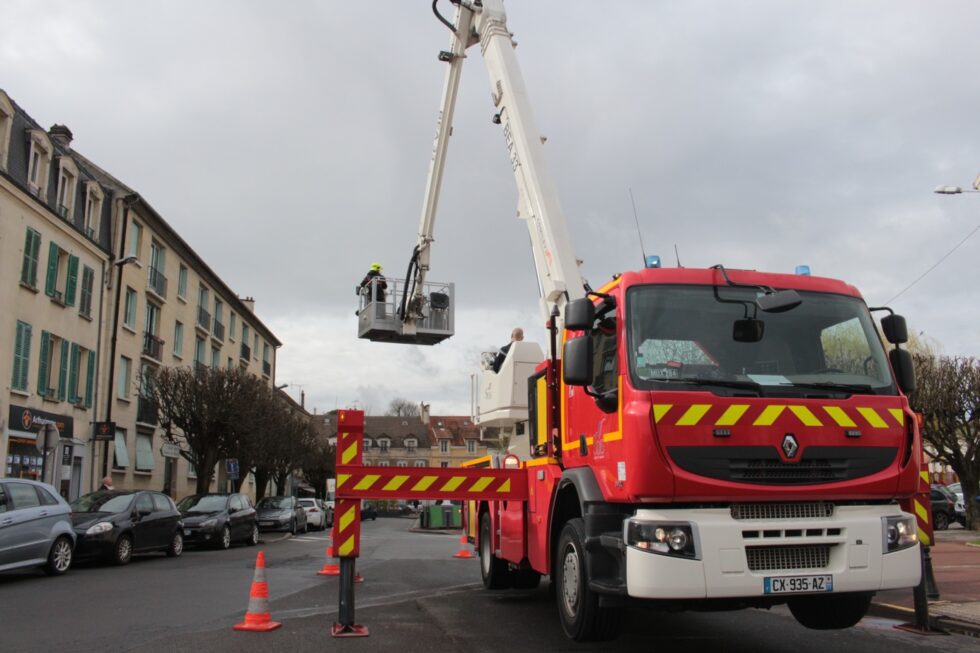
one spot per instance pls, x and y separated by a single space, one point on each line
424 518
447 516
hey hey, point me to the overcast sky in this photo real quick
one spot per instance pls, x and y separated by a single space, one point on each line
288 143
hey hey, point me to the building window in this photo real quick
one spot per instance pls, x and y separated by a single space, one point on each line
231 363
144 452
54 354
383 445
215 358
155 277
178 339
444 464
74 365
39 163
182 281
255 347
61 288
411 444
420 463
129 309
121 457
471 446
67 174
203 301
199 352
232 325
6 126
22 356
443 446
219 319
88 282
125 377
93 209
89 378
28 268
401 463
191 470
266 364
135 239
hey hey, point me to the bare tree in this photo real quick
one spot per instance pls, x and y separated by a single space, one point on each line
400 407
948 396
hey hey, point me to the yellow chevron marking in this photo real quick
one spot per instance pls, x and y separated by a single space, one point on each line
367 482
693 414
424 483
452 484
347 519
395 483
838 415
898 414
806 416
660 410
874 419
732 414
349 453
481 484
504 487
769 415
347 547
924 475
342 478
924 538
920 511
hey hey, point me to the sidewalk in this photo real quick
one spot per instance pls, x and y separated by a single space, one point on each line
956 569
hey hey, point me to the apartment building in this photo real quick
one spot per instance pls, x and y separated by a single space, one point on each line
95 288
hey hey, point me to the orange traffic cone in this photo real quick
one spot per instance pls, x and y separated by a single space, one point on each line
463 551
257 616
329 569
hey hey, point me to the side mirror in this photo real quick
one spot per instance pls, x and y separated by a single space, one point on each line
144 512
576 362
779 302
895 329
579 314
748 330
904 369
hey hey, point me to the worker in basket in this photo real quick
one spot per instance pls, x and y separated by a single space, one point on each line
373 286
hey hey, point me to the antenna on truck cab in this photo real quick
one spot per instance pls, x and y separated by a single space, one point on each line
638 232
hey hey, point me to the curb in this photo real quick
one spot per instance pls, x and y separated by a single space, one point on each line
282 537
939 623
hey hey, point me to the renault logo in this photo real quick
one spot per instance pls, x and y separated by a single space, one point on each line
790 445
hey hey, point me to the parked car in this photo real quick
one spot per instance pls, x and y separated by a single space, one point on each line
281 513
943 507
218 520
35 527
116 524
316 513
368 511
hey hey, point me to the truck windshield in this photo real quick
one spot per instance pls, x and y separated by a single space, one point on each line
682 336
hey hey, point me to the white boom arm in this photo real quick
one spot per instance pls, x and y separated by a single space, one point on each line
559 279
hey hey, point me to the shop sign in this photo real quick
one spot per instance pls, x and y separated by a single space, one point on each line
33 420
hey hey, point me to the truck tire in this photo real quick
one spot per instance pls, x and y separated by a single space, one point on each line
493 569
581 616
831 612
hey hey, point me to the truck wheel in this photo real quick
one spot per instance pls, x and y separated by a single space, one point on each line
493 569
830 612
582 618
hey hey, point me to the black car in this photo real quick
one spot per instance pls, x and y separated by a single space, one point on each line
281 513
218 520
115 524
368 511
943 507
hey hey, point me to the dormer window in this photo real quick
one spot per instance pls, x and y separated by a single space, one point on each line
411 444
6 126
39 162
67 175
384 444
93 209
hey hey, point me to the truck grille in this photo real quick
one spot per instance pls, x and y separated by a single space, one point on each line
763 466
752 511
776 558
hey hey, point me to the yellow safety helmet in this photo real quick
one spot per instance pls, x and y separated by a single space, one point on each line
376 266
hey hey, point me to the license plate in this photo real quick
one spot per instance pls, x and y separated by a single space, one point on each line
797 584
266 523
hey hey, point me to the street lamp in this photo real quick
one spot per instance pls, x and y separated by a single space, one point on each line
956 190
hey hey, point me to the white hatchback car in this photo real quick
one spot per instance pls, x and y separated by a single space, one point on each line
316 513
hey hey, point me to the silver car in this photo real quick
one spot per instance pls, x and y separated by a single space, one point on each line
35 527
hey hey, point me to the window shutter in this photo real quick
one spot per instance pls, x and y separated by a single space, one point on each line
63 372
42 370
73 374
90 380
22 355
27 274
85 302
72 282
51 282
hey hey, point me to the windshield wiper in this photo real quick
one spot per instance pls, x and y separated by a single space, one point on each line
830 385
725 383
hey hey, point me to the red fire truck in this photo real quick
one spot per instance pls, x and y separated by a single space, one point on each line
692 438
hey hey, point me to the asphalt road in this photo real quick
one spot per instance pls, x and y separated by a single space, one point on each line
416 597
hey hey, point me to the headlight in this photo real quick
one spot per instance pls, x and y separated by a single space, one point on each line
900 532
669 538
209 523
101 527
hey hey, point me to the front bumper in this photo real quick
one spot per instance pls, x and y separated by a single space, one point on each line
276 524
195 535
101 545
851 539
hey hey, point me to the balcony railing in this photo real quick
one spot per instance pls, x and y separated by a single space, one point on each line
146 411
203 318
152 346
157 282
218 330
246 353
267 368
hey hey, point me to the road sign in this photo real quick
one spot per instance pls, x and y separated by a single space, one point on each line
231 468
170 450
104 431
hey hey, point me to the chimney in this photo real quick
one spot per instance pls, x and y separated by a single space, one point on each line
424 412
249 303
302 400
61 135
